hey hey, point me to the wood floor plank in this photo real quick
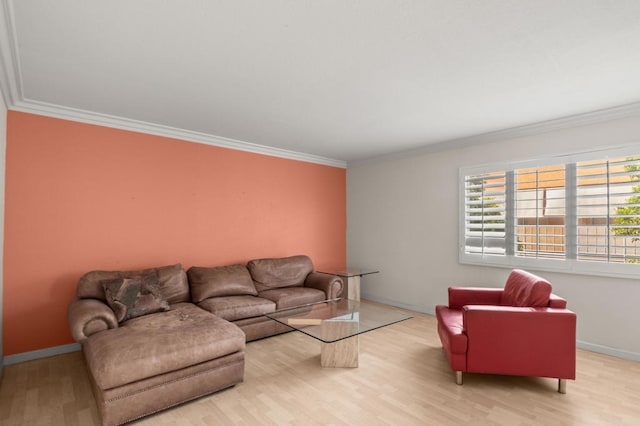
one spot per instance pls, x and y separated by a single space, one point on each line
403 378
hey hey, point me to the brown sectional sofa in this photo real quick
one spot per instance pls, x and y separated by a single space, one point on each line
158 337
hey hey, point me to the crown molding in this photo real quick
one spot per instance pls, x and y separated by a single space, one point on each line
88 117
82 116
576 120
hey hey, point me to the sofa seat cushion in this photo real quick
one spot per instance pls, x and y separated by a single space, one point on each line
232 308
290 297
450 325
159 343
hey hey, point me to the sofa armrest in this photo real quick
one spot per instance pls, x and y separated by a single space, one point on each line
556 301
89 316
521 341
332 285
461 296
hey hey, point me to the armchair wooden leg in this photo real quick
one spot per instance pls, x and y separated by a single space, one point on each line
562 385
458 377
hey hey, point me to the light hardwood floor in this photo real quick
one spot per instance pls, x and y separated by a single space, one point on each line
403 379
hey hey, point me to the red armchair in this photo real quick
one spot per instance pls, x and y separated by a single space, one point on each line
521 330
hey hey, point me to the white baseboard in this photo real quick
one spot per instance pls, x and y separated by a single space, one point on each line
619 353
592 347
41 353
397 304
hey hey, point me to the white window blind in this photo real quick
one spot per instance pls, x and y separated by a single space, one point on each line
485 218
540 212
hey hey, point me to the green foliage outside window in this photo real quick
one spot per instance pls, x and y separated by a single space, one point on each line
631 212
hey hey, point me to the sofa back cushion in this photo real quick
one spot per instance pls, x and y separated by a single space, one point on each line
233 280
280 272
525 290
172 282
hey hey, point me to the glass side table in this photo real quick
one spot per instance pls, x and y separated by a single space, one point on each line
352 276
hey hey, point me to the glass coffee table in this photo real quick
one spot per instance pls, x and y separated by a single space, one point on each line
337 324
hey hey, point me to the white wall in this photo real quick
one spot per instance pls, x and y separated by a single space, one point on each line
3 148
402 217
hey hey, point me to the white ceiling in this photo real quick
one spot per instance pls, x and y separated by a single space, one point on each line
338 79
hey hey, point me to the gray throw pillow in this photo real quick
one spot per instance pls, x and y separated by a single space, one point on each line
134 297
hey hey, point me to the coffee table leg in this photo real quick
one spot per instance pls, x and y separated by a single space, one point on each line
353 287
343 353
340 354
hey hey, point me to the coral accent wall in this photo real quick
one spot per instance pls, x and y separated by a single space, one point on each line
81 197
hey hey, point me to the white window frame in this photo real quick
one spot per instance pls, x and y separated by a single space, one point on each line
567 265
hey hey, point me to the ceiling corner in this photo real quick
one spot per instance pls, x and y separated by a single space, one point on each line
10 80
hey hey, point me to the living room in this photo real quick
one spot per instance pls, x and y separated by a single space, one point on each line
96 189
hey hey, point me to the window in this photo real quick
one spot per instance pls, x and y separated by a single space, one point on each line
608 210
578 213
